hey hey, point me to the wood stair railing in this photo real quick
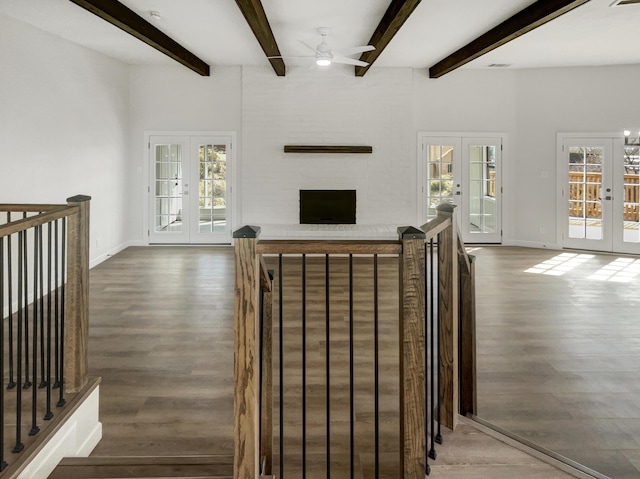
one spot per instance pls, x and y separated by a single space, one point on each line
341 311
114 467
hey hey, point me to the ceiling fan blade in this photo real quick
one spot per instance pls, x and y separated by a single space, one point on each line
355 50
309 46
349 61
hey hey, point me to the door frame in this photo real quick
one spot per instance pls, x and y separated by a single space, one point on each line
561 174
420 179
233 170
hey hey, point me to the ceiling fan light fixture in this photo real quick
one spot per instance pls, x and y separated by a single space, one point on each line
323 62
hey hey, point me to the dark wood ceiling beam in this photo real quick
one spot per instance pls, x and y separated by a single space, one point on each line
392 21
256 18
524 21
126 19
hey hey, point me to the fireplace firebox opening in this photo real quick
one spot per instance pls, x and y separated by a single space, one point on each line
328 207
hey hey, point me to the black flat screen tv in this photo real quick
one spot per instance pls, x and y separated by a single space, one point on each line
337 207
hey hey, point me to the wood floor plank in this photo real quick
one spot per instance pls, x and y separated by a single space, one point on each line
161 337
558 354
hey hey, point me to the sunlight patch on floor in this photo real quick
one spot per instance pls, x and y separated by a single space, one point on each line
559 265
621 270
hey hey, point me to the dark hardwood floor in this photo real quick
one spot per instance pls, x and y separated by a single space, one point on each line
559 355
161 337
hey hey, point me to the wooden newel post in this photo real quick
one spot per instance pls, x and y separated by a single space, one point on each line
246 359
412 354
448 309
76 334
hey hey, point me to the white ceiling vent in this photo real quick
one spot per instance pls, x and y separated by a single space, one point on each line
501 65
619 3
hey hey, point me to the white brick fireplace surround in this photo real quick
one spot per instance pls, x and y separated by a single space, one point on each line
328 108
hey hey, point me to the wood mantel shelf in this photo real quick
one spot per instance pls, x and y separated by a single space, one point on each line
327 149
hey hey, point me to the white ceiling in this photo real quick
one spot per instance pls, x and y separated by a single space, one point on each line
216 31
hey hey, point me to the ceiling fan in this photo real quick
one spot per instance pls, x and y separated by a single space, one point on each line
325 56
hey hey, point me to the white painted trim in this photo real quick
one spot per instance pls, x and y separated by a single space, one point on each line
561 173
532 244
420 179
91 441
77 437
505 204
233 168
112 252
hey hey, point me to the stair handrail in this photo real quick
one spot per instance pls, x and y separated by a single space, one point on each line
253 285
27 223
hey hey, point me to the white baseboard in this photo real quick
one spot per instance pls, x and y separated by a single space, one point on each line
113 251
90 442
77 437
532 244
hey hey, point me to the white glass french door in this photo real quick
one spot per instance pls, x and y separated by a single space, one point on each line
480 205
626 199
442 170
600 199
189 189
464 171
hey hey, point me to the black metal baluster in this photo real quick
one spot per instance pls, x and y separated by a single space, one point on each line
261 362
376 399
304 366
12 383
63 268
430 409
281 371
439 434
25 299
43 380
56 316
351 405
327 363
3 463
34 390
427 294
18 445
48 414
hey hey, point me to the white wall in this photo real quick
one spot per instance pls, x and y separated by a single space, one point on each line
176 99
384 109
63 128
555 100
73 121
328 107
473 101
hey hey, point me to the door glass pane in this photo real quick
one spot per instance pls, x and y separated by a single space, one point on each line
168 188
585 183
631 223
212 188
482 189
439 177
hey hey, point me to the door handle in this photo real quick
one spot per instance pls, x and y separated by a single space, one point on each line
605 198
458 193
